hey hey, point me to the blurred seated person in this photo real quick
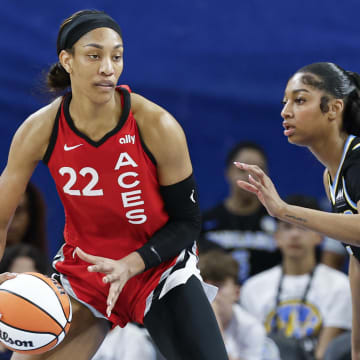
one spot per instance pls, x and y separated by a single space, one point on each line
334 254
339 348
21 258
28 225
300 302
240 224
132 342
243 334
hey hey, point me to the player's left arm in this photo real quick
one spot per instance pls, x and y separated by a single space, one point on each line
166 141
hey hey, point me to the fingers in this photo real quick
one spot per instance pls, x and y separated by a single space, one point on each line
101 264
114 292
252 169
7 276
87 257
110 278
102 267
246 186
255 183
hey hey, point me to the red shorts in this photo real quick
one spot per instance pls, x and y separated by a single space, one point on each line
88 287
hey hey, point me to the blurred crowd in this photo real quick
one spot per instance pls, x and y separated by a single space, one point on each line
283 291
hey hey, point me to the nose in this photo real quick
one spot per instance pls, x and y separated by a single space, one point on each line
286 111
106 67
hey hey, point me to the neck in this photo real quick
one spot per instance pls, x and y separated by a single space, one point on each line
329 151
84 109
242 204
95 119
225 316
299 266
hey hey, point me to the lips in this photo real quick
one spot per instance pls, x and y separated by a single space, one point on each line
289 129
105 84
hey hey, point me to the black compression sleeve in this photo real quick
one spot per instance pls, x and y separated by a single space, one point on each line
183 227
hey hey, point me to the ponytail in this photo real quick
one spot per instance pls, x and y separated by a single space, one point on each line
351 117
57 78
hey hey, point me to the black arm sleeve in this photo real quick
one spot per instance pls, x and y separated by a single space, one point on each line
183 227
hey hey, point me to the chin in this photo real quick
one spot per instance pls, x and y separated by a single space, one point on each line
297 141
295 253
102 98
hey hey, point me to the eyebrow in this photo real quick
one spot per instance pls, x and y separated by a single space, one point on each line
101 47
299 90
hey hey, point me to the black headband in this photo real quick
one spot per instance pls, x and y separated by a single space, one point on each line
81 25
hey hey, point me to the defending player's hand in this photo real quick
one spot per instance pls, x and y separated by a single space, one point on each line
262 186
118 272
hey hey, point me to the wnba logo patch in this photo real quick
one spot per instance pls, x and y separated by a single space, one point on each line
295 319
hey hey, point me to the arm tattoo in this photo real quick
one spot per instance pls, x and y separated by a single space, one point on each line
296 218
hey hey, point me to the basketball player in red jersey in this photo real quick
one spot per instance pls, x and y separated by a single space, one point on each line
124 175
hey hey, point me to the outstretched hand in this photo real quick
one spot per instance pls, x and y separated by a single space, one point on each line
262 186
118 272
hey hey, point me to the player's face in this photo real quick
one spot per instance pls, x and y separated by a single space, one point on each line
227 295
97 64
247 156
304 122
296 242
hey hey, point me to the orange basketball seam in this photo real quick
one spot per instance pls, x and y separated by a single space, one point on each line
32 303
61 305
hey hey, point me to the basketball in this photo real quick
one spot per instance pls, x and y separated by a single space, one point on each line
35 313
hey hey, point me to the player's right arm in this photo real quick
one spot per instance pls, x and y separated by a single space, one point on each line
27 149
343 227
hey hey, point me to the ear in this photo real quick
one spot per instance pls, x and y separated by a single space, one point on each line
65 59
336 107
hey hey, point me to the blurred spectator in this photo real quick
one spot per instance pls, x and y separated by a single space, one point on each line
22 258
129 343
28 224
240 224
304 305
334 254
339 348
244 335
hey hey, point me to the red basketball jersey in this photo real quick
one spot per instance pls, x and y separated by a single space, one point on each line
110 193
